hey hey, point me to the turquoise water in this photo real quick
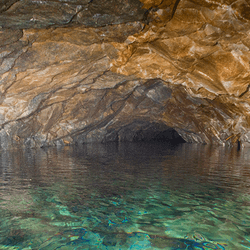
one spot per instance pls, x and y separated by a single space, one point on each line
125 196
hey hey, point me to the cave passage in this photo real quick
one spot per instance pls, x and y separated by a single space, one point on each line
149 132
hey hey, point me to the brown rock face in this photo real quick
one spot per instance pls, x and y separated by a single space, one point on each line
76 71
23 14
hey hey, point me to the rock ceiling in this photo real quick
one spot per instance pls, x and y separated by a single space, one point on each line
75 71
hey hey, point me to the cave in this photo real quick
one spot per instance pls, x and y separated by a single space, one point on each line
144 131
125 124
73 71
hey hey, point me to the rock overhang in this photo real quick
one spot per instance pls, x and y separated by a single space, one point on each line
82 71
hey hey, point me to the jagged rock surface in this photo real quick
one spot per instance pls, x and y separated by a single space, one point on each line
23 14
81 71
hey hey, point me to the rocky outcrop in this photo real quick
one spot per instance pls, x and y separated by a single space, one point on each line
81 71
25 14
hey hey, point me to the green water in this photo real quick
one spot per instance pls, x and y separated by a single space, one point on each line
125 196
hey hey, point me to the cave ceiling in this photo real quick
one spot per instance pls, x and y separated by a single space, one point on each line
77 71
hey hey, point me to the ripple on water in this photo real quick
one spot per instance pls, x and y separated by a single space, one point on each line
125 199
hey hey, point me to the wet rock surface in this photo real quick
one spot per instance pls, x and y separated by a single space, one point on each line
23 14
82 71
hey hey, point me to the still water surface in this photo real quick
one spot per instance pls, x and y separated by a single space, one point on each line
125 196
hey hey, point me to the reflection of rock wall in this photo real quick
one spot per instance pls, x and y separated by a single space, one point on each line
86 163
90 70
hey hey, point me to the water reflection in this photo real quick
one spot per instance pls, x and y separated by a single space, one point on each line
160 195
221 166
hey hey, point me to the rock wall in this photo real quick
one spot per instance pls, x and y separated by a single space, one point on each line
76 71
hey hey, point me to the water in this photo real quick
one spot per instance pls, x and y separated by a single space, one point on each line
125 196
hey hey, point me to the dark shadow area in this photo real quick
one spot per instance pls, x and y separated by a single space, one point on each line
144 131
169 135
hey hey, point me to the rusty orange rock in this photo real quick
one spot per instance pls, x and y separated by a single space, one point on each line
86 72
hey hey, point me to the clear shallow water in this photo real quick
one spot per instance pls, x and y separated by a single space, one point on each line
125 196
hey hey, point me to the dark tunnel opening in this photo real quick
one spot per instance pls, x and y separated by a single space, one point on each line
141 131
169 135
